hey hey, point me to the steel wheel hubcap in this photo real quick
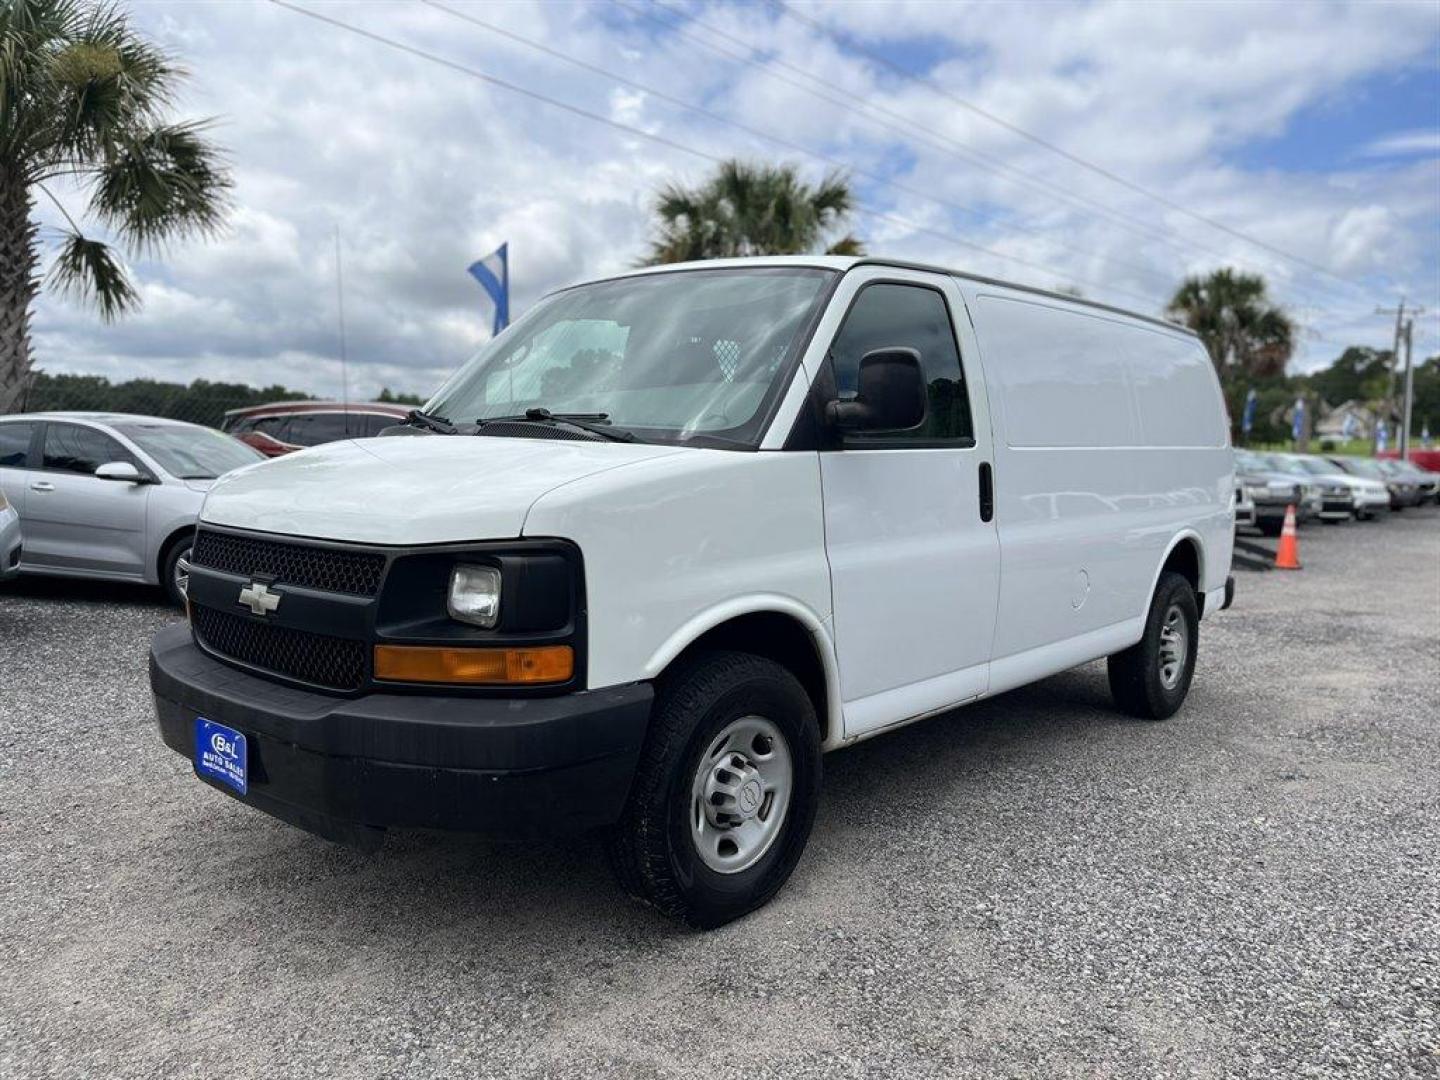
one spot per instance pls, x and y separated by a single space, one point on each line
1174 646
182 572
740 794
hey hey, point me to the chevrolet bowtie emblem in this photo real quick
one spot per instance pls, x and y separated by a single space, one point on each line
259 599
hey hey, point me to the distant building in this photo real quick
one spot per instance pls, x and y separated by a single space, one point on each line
1332 422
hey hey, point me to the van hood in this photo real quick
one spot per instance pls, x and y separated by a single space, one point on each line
419 490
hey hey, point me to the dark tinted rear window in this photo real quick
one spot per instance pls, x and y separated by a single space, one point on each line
15 444
312 429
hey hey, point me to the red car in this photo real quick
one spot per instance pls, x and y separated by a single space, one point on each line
284 426
1426 459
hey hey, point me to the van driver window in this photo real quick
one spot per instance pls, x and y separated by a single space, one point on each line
912 317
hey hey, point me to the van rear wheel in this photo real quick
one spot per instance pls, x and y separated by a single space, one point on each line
1151 678
725 793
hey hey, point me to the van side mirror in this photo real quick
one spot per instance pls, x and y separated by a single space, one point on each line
890 396
123 471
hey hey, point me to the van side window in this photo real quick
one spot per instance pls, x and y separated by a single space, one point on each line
913 317
72 448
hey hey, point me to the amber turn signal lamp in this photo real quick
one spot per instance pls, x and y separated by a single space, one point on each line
476 667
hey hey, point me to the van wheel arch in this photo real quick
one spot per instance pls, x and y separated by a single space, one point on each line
1187 559
774 636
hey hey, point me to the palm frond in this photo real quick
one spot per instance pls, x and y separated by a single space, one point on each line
846 245
87 270
167 183
748 209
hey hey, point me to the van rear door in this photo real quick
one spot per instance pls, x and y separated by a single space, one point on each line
914 564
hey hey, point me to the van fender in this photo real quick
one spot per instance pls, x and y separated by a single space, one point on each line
1187 533
761 604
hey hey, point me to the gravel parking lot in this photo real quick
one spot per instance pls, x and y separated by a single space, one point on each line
1033 886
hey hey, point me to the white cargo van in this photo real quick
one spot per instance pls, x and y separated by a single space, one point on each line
674 534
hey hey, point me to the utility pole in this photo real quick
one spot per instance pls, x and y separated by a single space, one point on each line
1388 406
1409 389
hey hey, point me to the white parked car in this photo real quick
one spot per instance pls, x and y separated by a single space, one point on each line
110 495
672 535
1368 496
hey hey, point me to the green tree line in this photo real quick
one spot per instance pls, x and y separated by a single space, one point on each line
201 402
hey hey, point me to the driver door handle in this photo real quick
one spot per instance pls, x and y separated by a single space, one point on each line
987 492
42 485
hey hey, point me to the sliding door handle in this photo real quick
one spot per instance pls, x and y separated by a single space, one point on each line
987 492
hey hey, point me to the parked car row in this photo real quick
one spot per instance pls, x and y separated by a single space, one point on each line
285 426
109 495
115 496
1324 488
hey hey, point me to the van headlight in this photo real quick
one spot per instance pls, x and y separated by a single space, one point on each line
475 595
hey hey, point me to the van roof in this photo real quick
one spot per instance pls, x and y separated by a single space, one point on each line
843 263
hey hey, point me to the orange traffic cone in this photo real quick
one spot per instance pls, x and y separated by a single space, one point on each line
1287 555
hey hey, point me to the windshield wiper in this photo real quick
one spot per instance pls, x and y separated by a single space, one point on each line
421 419
591 422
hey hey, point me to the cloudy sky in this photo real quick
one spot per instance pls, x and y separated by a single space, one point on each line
1308 133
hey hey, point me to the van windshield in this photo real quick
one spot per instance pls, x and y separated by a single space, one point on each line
689 356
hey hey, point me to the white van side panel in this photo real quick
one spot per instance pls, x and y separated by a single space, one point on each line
1110 443
675 549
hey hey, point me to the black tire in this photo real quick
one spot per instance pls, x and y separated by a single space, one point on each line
1135 674
651 849
178 550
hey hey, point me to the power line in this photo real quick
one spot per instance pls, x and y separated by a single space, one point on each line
844 39
777 140
576 110
492 80
822 90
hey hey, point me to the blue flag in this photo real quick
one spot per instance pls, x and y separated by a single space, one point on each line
1425 435
1349 429
1247 418
493 273
1297 425
1382 437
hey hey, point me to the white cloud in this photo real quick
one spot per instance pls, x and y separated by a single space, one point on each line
1421 141
423 168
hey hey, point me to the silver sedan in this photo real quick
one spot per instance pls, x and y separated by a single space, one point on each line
109 495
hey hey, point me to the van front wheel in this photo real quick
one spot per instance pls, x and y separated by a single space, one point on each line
725 793
1151 678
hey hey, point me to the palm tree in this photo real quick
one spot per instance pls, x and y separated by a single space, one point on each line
1243 331
82 101
748 209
